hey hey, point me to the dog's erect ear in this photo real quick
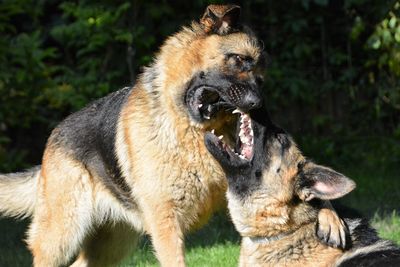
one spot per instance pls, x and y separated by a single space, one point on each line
220 19
317 181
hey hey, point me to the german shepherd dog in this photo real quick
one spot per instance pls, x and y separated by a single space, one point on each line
275 195
135 161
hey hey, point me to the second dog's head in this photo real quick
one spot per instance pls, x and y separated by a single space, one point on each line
271 184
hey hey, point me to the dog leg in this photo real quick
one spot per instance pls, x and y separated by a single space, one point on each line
110 244
63 213
56 235
166 234
331 229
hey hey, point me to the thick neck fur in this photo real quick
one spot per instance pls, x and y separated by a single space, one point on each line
300 247
282 235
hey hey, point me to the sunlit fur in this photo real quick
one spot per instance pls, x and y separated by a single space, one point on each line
278 221
271 211
174 184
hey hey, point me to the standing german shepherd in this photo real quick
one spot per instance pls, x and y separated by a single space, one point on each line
135 160
275 195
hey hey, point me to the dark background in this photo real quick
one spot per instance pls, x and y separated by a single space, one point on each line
332 78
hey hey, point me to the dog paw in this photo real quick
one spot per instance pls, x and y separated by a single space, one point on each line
331 229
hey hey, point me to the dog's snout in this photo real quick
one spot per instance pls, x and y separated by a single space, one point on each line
245 97
251 101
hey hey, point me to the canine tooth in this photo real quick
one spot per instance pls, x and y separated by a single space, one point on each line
207 117
236 111
220 137
242 157
213 131
200 105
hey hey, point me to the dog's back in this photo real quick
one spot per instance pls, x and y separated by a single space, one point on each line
366 248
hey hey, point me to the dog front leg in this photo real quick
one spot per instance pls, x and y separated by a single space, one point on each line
331 229
166 234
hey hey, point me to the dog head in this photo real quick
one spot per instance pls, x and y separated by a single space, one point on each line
273 188
209 68
228 80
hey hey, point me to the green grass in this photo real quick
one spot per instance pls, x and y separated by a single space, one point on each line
221 254
388 226
377 197
217 244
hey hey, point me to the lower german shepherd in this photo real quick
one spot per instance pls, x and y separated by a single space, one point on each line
275 195
135 161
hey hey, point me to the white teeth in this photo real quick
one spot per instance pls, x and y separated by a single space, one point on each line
236 111
213 131
200 105
242 157
220 137
207 117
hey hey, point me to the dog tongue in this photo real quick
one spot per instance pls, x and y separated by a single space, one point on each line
247 151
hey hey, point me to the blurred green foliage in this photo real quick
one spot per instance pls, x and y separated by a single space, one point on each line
332 78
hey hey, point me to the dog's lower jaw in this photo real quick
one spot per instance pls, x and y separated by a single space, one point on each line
301 247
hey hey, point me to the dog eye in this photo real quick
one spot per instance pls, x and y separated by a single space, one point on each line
241 62
239 58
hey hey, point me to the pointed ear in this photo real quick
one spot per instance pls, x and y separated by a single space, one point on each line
220 19
317 181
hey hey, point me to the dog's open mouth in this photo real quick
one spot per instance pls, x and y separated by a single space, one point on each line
204 102
244 148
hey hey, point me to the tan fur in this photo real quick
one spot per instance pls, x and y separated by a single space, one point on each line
271 212
303 249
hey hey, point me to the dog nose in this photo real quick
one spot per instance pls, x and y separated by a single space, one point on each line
250 101
244 96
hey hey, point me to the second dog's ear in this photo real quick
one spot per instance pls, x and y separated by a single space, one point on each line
220 19
317 181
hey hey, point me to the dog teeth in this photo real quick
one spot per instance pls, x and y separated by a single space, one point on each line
246 135
220 137
236 111
213 131
207 117
200 105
